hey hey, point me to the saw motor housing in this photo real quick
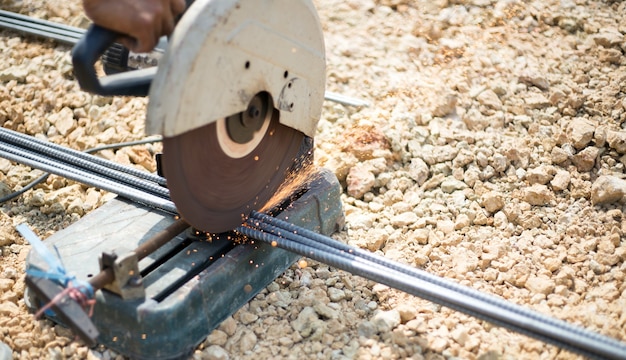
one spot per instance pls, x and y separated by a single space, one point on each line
223 53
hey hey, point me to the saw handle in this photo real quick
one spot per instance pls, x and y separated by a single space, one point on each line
84 57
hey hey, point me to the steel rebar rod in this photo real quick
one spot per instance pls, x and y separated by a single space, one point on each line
74 156
433 288
55 167
65 168
42 28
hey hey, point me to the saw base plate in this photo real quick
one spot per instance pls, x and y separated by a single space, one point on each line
191 285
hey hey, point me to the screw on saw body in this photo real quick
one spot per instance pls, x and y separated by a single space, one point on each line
70 311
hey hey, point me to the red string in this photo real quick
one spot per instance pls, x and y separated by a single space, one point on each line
73 293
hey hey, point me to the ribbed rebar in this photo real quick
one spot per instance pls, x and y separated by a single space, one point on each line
141 191
433 288
72 156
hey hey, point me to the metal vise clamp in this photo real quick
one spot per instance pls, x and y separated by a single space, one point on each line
127 281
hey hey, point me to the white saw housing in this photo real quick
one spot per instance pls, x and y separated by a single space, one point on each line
224 52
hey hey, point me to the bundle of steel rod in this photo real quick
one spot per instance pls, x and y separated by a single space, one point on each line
41 28
134 184
416 282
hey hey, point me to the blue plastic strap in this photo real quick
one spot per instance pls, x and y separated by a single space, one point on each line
56 271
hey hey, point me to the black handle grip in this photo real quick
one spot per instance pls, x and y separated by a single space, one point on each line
84 57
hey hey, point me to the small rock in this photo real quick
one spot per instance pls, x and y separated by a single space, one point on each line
405 219
450 185
585 160
375 240
445 226
325 311
580 132
560 155
307 322
13 73
279 298
438 344
34 125
367 329
8 309
561 180
538 195
608 38
540 285
489 99
341 165
357 220
22 342
611 56
63 121
437 154
540 175
76 207
460 335
360 180
407 313
537 80
536 101
6 285
461 221
246 317
37 199
607 189
493 201
10 273
385 321
215 352
398 337
5 189
463 158
617 140
446 105
63 331
248 341
229 326
217 337
499 163
335 294
418 170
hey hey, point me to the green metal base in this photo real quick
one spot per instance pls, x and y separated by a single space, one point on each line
191 285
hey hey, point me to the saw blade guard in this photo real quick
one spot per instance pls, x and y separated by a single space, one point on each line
223 53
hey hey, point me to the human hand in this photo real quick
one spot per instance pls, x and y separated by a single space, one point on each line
142 22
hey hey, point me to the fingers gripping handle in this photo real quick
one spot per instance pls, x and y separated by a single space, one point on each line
84 57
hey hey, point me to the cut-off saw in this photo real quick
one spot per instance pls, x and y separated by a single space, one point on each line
236 96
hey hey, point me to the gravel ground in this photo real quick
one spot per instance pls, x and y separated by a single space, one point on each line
492 153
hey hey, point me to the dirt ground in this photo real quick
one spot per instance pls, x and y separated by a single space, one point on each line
492 153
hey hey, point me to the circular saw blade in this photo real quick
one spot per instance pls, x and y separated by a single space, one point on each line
215 188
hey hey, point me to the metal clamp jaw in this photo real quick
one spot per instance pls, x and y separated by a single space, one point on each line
127 281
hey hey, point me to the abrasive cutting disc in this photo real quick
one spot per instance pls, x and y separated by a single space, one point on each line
216 181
